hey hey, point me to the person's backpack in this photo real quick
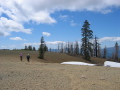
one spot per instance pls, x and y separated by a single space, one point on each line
28 56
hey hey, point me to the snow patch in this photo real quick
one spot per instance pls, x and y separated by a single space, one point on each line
78 63
111 64
106 63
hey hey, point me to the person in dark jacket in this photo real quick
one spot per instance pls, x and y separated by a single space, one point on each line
28 57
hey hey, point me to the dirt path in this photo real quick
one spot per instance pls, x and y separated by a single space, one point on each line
40 76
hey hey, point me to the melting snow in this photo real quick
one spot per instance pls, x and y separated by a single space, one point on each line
106 63
78 63
111 64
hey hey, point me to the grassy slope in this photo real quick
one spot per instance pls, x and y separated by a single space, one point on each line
61 57
50 57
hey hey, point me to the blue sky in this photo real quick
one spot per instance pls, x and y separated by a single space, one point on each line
26 21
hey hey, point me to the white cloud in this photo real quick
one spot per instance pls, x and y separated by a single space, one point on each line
63 17
7 26
46 34
47 42
16 38
105 39
55 42
31 44
3 46
72 23
27 10
39 10
8 46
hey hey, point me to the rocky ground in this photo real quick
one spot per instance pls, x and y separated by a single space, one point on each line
40 76
34 75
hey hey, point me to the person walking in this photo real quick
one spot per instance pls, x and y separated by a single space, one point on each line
21 55
28 57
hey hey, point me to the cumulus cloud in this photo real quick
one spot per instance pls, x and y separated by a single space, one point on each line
19 12
46 34
104 39
7 26
39 10
27 10
16 38
55 42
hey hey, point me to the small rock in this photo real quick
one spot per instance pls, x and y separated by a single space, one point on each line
102 78
83 76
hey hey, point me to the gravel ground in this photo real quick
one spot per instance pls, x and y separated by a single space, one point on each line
17 75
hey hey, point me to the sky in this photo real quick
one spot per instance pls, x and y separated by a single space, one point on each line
24 22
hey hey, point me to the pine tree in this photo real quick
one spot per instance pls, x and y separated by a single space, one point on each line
76 48
58 47
105 52
50 50
96 47
29 47
116 51
87 34
61 47
71 48
41 49
99 51
45 48
26 47
68 47
34 49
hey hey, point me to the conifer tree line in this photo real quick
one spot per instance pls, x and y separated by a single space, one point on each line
89 47
29 47
115 55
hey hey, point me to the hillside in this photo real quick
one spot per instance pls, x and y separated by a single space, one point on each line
50 57
36 75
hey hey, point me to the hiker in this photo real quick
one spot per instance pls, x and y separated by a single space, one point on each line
28 57
21 55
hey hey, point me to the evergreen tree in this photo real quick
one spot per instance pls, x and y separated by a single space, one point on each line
29 47
99 51
96 47
68 47
26 47
87 34
58 47
45 48
76 51
50 50
62 48
34 49
105 52
116 51
41 49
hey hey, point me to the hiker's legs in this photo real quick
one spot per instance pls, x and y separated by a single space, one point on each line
28 59
21 58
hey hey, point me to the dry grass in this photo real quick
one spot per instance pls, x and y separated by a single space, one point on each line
50 57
